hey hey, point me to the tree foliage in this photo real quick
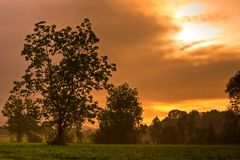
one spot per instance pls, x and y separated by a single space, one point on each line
155 130
63 69
233 90
211 127
23 113
119 122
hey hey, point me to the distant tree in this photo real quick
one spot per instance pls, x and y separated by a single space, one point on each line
144 134
16 123
214 118
233 90
155 130
210 127
192 125
63 69
231 129
169 134
119 122
176 114
180 119
193 118
22 112
210 136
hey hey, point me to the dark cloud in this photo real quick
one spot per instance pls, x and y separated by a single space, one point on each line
120 28
171 80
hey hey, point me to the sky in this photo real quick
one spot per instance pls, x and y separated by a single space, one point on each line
178 54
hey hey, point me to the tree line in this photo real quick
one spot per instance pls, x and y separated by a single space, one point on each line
55 97
121 122
180 127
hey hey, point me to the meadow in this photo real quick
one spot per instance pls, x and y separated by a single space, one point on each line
40 151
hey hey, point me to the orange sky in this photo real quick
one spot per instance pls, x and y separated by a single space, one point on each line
178 54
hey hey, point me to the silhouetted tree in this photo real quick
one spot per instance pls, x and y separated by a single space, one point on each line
213 117
210 136
63 69
143 134
179 127
169 134
211 127
155 130
180 119
119 122
22 112
231 129
233 90
193 121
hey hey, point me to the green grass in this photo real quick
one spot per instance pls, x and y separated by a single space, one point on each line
26 151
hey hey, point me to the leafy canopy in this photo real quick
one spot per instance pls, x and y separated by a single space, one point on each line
233 90
22 112
63 69
120 121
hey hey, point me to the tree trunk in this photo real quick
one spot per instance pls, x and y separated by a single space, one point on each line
19 137
60 137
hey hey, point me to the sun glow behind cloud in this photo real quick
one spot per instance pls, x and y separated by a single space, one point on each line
161 109
194 31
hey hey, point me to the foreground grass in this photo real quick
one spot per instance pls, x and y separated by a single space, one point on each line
26 151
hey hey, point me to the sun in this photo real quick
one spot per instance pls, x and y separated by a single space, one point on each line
192 30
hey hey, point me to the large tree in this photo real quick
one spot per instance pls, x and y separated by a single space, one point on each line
63 69
233 90
119 122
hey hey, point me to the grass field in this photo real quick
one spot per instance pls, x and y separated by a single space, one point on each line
25 151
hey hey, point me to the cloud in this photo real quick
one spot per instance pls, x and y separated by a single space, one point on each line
122 29
137 40
214 17
175 80
201 52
